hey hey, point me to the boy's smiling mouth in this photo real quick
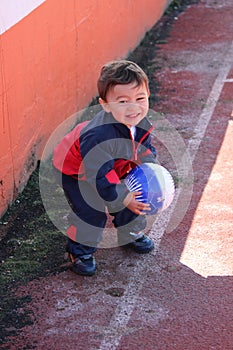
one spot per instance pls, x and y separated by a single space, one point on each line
133 116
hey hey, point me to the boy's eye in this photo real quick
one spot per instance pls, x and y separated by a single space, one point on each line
122 101
141 99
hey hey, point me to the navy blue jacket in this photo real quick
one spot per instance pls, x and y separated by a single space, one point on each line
102 152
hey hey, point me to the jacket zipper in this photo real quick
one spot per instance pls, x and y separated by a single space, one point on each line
135 149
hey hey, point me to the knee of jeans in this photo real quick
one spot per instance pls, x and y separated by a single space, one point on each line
98 219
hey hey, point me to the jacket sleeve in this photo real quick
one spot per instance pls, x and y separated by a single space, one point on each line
99 170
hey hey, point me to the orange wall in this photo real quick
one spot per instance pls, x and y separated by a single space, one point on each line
50 61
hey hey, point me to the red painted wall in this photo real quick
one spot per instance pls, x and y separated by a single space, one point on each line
50 61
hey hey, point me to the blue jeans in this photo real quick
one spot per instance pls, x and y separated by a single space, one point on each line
89 216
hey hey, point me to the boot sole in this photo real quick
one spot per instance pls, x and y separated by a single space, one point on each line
82 273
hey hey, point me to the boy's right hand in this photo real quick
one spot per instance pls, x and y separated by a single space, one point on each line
135 206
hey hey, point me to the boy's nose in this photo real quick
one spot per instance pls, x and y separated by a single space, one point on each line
132 107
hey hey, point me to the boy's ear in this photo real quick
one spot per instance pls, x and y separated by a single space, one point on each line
104 105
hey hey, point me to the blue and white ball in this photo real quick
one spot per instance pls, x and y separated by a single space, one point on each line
155 184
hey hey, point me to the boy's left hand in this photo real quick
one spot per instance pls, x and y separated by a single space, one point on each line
135 206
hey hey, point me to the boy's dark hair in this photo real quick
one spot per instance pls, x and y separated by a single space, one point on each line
120 72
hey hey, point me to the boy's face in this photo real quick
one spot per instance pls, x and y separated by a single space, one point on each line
128 103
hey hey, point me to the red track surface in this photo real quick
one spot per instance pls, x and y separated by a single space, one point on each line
181 296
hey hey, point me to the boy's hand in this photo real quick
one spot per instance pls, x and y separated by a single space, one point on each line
135 206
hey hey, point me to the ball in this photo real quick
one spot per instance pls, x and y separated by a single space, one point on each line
155 184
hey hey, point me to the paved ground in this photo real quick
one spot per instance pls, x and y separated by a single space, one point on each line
179 297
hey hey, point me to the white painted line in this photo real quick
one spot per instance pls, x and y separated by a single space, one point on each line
126 307
228 81
127 303
211 102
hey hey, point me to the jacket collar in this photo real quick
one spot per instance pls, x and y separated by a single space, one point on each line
142 128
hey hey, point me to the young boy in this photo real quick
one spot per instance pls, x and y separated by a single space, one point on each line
94 158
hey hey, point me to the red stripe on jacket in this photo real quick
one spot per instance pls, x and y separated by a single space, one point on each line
67 157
